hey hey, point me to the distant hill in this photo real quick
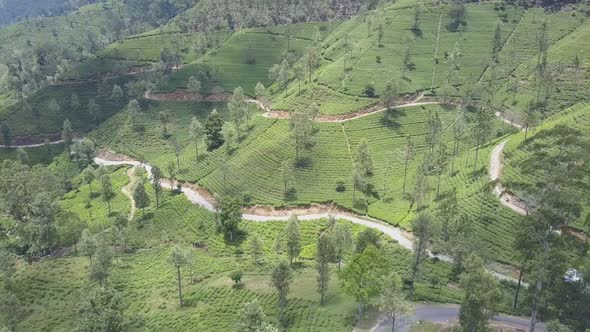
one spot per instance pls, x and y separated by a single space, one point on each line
15 10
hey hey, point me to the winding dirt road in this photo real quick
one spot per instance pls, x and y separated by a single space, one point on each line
496 165
200 196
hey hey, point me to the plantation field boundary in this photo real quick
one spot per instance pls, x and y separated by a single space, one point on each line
134 71
504 44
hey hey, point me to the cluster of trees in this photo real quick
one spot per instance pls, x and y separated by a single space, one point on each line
292 68
215 15
27 69
553 197
15 10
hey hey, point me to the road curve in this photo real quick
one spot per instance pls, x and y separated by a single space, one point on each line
402 237
449 314
198 197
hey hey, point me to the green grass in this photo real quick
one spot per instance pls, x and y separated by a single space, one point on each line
38 155
567 35
69 30
50 290
141 51
518 151
254 166
228 66
91 208
46 121
329 101
365 66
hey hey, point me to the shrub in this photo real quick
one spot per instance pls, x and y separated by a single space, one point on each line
370 89
340 187
236 276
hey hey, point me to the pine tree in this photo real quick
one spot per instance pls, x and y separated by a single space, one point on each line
142 200
293 239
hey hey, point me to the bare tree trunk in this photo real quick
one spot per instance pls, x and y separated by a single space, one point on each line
179 285
405 178
517 288
539 285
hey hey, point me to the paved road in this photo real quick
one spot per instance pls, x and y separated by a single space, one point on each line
444 314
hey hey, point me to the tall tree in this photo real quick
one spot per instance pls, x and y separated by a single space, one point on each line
287 175
417 17
88 175
213 128
343 242
423 228
87 244
107 190
251 318
407 62
230 216
529 118
238 109
481 296
457 13
230 136
164 118
367 238
10 304
256 248
94 111
74 102
300 73
6 134
302 131
103 262
496 43
22 155
117 93
194 85
177 259
142 200
312 60
362 276
133 110
260 91
433 129
196 131
459 132
526 250
325 253
392 299
293 235
440 162
482 130
177 149
380 34
103 309
409 154
364 158
281 279
156 178
360 181
389 95
447 211
86 149
67 135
